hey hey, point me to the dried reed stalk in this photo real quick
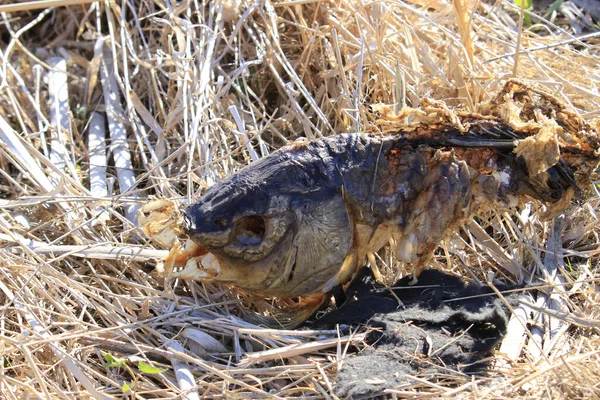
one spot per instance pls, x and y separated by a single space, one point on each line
166 98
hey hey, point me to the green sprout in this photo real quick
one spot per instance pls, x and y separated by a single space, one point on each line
144 368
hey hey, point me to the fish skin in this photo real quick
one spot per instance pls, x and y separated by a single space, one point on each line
304 218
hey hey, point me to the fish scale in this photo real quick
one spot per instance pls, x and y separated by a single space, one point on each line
349 195
303 219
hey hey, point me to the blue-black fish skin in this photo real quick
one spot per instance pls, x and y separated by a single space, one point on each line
304 217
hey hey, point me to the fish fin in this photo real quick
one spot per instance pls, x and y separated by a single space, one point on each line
290 317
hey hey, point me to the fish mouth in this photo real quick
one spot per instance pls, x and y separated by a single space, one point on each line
190 262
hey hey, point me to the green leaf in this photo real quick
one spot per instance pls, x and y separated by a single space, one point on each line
126 387
112 361
528 6
555 6
149 369
528 3
80 112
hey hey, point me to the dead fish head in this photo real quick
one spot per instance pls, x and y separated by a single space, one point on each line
279 227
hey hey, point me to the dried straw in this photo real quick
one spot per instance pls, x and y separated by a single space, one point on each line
166 98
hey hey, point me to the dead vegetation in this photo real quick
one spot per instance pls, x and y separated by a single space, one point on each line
105 104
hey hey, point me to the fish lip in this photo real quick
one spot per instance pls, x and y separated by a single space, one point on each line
211 240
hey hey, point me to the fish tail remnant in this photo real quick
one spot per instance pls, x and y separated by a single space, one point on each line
529 141
524 145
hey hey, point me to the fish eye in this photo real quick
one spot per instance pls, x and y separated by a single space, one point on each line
249 230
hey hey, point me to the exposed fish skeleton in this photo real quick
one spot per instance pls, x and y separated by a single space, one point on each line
303 219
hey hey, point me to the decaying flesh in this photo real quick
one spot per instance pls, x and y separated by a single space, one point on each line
303 219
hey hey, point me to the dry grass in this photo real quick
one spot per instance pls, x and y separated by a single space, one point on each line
195 90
